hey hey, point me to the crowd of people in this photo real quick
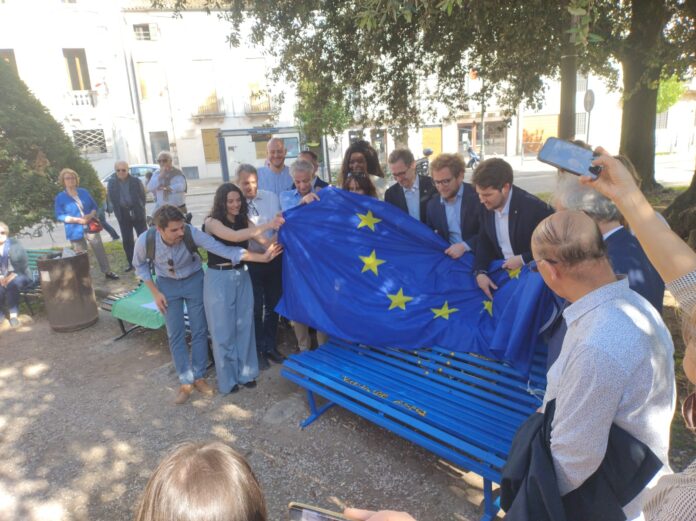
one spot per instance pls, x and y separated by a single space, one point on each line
603 251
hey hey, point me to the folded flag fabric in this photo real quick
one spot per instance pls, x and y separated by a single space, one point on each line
364 271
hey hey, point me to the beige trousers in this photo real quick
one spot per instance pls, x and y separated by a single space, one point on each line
304 341
95 242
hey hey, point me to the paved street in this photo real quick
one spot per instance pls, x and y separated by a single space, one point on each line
530 174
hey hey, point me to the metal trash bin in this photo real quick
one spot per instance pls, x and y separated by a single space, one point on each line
66 285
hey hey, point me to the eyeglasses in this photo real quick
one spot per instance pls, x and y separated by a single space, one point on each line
160 161
122 170
396 175
443 182
689 412
171 266
534 265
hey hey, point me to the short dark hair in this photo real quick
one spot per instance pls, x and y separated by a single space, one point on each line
310 154
454 162
166 214
363 181
492 173
401 154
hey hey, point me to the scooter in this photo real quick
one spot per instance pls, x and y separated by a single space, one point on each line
474 158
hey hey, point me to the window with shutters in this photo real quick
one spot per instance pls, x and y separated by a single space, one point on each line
211 150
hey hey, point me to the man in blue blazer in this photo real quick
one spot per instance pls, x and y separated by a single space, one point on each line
507 223
411 192
455 214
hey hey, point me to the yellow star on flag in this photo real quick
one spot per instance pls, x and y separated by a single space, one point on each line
443 312
371 263
514 274
399 300
488 306
367 219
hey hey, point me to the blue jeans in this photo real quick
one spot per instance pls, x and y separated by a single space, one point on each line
190 292
267 281
229 302
10 295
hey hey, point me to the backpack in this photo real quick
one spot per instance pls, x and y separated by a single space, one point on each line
150 244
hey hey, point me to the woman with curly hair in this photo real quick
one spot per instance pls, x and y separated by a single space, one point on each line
362 158
228 296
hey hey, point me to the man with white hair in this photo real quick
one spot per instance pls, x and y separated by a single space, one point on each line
168 184
303 193
127 196
615 366
276 176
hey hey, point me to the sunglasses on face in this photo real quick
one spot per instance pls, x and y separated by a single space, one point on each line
121 170
534 265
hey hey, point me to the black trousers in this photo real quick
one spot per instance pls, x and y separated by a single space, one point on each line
267 282
127 225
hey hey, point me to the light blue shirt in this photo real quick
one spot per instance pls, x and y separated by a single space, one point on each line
289 199
273 182
185 264
262 209
453 212
615 367
412 196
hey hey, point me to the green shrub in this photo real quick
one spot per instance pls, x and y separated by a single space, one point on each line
33 150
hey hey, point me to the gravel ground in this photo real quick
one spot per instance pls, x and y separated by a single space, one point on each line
84 420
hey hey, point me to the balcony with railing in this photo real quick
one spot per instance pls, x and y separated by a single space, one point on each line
82 98
210 108
258 105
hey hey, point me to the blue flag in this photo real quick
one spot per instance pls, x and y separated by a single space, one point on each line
362 270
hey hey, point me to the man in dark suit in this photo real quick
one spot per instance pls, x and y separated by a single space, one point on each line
411 192
455 214
317 182
127 196
507 223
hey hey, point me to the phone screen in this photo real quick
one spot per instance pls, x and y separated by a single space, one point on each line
568 156
300 512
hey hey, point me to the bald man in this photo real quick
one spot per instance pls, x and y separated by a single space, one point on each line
615 365
127 196
276 176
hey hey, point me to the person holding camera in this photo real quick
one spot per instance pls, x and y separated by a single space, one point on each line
127 196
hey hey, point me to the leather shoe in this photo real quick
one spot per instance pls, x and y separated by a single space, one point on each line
250 385
234 389
263 362
129 268
111 275
183 395
275 356
202 387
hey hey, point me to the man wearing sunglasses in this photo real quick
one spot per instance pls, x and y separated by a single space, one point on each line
168 184
127 196
615 365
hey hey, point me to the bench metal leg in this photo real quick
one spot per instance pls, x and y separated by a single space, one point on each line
490 507
124 330
313 409
28 303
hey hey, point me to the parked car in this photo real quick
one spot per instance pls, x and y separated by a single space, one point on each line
139 171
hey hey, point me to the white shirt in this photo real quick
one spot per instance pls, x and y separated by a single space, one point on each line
412 196
502 228
262 209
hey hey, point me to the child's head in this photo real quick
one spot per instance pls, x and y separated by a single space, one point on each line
202 482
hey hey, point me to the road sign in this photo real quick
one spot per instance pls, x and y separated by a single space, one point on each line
589 100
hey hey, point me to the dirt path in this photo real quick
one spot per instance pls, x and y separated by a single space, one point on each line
84 420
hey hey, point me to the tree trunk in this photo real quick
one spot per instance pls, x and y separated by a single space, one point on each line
569 79
681 214
641 77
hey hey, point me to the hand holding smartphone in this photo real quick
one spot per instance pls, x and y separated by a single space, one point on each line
301 512
569 157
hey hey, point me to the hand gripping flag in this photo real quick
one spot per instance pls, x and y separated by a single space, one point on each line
364 271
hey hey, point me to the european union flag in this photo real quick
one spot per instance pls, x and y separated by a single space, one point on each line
363 270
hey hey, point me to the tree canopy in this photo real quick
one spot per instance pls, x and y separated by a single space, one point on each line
33 150
398 63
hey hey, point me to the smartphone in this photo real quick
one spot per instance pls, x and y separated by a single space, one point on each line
301 512
569 157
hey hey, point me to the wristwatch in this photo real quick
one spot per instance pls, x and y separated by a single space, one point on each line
480 272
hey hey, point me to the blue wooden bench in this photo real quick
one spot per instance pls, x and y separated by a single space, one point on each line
34 290
462 407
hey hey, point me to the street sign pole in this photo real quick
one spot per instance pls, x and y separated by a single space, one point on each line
589 105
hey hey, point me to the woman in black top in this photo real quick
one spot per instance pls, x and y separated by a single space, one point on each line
227 292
